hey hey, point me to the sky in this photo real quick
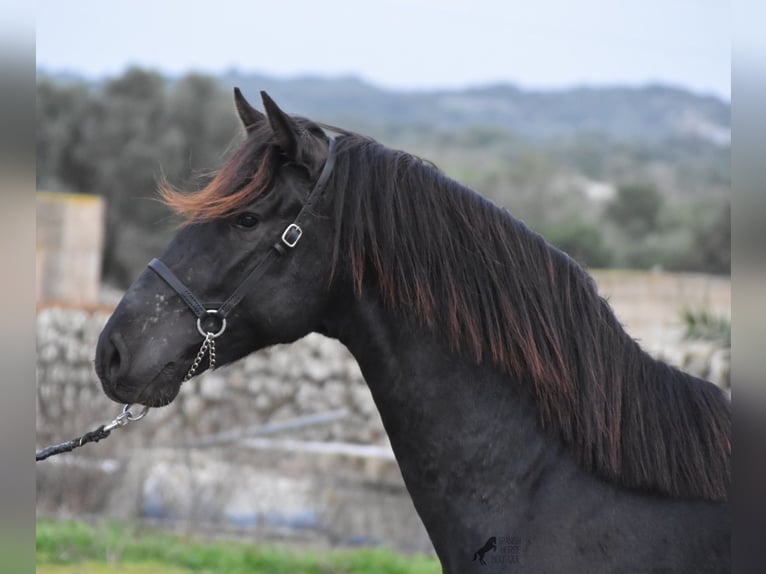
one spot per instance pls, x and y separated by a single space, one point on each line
400 44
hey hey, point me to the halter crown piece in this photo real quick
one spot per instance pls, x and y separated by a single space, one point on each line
288 240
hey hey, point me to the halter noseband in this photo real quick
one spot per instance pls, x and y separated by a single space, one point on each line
288 240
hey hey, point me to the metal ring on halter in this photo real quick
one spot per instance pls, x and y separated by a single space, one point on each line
205 333
130 416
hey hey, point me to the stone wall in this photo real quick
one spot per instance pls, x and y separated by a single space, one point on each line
313 375
272 487
649 305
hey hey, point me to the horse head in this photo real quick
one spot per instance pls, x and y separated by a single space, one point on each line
255 234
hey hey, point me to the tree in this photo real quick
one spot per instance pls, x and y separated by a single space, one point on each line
582 241
119 140
713 243
635 208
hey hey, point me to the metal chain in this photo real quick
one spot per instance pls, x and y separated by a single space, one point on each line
208 345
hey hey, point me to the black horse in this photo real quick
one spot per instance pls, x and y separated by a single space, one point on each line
515 402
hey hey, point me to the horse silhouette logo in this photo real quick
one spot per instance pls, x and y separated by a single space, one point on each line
491 544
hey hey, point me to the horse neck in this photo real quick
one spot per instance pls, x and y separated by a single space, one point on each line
478 464
467 438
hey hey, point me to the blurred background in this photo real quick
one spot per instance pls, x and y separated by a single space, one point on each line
605 126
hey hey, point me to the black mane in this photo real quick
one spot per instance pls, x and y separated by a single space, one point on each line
472 272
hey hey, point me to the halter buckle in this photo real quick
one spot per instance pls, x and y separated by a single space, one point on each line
291 235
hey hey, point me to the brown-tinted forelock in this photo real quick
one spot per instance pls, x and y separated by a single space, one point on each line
244 177
497 291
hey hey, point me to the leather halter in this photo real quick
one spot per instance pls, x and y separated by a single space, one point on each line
288 240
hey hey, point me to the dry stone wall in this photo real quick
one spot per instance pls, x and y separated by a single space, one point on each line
314 375
140 472
317 374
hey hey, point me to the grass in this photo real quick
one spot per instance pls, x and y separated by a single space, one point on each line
106 568
69 547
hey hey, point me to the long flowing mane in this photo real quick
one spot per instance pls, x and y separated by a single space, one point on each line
497 291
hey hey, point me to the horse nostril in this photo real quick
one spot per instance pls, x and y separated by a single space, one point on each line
117 358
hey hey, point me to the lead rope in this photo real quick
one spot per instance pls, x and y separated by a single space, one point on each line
127 416
101 432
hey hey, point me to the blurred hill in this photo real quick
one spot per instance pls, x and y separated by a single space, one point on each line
650 114
621 176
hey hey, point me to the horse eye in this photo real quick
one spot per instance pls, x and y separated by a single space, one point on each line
246 220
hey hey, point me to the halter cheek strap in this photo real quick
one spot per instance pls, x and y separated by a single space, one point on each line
288 240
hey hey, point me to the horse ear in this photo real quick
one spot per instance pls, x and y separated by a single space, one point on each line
296 142
248 114
284 127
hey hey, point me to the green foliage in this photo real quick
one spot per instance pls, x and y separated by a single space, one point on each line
119 140
526 152
635 208
118 546
702 325
582 241
690 236
712 241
